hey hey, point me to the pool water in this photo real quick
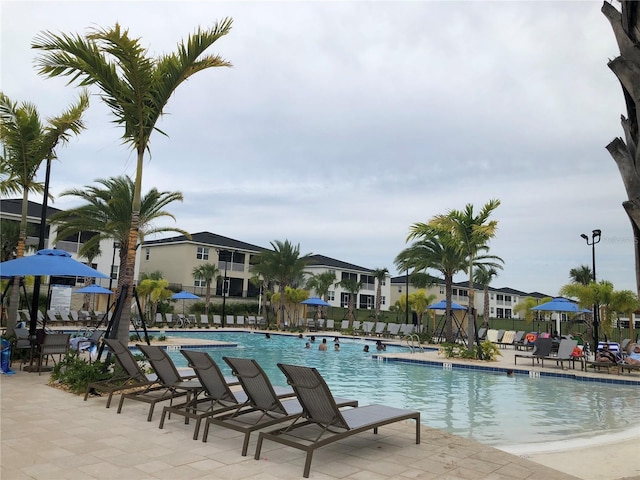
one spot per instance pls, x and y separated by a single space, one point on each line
493 409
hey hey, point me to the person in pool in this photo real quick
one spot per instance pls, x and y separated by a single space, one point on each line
323 345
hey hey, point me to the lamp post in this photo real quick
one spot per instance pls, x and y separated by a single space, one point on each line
595 238
225 287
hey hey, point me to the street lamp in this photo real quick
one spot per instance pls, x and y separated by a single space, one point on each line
225 287
595 238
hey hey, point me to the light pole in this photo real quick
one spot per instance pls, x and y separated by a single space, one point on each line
595 238
225 287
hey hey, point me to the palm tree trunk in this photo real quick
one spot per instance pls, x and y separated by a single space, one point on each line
471 324
485 313
448 281
207 298
14 298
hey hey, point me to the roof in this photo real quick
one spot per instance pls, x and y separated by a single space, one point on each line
322 261
13 206
207 238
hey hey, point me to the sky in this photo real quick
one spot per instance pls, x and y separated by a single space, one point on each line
343 123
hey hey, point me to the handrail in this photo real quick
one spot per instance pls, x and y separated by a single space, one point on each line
413 342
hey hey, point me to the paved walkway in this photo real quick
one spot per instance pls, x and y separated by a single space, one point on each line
51 434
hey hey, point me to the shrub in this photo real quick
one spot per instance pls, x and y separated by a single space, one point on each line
76 373
486 351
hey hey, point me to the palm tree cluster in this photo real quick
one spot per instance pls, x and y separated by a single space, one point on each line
450 243
135 86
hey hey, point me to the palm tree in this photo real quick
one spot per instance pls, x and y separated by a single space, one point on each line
283 265
483 276
438 251
420 301
581 275
153 291
106 211
321 283
525 306
207 272
26 144
625 301
380 274
136 88
473 233
352 286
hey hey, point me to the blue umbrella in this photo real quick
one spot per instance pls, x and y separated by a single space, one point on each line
94 289
315 301
48 262
442 305
183 295
558 304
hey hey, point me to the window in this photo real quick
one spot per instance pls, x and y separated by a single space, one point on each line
492 296
202 253
500 297
114 271
351 276
492 310
507 298
463 293
500 313
344 300
331 296
147 253
367 301
507 313
199 283
384 300
454 292
442 290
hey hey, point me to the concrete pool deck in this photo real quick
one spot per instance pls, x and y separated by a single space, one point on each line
47 433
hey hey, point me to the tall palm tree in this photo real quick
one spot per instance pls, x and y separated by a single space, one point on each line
106 211
352 286
27 142
438 251
136 87
207 272
153 291
582 275
380 274
473 233
484 276
283 265
321 283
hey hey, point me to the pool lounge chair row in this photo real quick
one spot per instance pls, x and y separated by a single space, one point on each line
309 416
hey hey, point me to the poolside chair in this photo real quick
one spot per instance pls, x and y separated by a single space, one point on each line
251 321
204 320
380 326
344 325
261 322
393 330
132 375
263 407
507 338
21 346
492 335
322 422
356 326
541 349
217 321
367 328
53 345
482 332
173 384
216 398
518 339
565 352
329 324
240 321
319 324
168 318
229 321
51 317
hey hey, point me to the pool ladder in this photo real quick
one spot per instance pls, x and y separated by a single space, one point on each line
413 342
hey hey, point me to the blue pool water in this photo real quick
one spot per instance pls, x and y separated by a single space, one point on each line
489 408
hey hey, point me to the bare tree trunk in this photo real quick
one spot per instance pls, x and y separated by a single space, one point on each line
626 67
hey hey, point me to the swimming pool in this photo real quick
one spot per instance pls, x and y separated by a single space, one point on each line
489 408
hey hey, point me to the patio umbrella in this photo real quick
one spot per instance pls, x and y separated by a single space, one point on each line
558 304
316 302
93 288
48 262
442 305
183 295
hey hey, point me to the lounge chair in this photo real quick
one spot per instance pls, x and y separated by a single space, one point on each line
482 332
507 338
217 321
329 325
565 352
172 384
492 335
322 422
216 398
204 320
21 344
240 321
406 329
393 330
380 326
251 321
168 319
541 349
132 376
263 407
229 321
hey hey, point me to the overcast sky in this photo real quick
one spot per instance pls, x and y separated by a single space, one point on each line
340 124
